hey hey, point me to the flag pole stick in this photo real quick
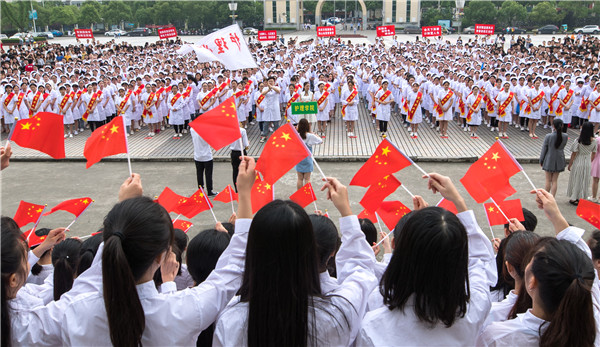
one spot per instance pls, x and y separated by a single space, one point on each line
85 237
176 218
488 220
208 203
529 179
231 194
242 146
36 224
74 220
12 130
127 145
315 204
499 209
381 229
318 167
408 191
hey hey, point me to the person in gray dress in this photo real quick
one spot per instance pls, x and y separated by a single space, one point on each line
552 157
583 152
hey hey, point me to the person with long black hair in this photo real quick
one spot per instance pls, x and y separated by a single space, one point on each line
65 259
552 157
436 288
328 242
583 152
280 302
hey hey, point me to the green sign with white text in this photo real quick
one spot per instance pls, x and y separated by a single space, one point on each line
304 107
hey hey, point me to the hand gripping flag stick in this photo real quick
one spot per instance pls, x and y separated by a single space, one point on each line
387 235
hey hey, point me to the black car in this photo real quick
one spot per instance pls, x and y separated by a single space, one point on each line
515 31
139 32
548 29
412 29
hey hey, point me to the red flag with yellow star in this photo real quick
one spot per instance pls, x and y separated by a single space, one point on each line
262 194
448 205
170 200
378 192
391 212
589 211
367 215
195 204
511 208
490 175
227 195
281 153
28 213
304 195
43 132
182 225
107 140
219 127
74 206
34 239
386 160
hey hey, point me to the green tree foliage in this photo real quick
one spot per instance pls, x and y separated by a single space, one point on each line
15 15
432 15
89 14
544 13
574 11
512 14
63 15
479 12
116 11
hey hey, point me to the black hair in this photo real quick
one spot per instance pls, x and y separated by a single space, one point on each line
429 263
65 258
230 227
14 254
505 282
37 268
136 232
180 244
518 246
565 276
587 133
368 228
400 225
303 127
558 126
594 244
88 251
327 238
530 222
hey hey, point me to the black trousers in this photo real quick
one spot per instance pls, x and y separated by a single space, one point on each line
204 169
383 125
235 165
178 128
95 125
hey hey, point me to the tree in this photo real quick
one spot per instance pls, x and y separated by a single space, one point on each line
432 15
62 15
544 13
511 14
144 15
89 13
479 12
116 11
16 14
574 13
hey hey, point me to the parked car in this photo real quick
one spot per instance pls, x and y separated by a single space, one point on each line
250 31
469 30
588 29
412 29
448 31
57 33
515 31
2 36
139 32
45 34
547 29
115 32
18 36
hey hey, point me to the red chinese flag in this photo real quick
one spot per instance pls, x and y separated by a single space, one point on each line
195 204
182 224
170 200
304 195
262 194
282 152
367 215
107 140
74 206
511 208
227 195
219 127
386 160
391 212
448 205
378 192
590 212
27 213
44 132
34 239
490 175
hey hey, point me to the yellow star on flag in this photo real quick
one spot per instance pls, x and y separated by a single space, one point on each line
114 129
26 126
86 201
385 151
286 136
39 210
495 156
267 186
491 209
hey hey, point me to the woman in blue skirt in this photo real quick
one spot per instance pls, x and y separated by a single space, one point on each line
305 167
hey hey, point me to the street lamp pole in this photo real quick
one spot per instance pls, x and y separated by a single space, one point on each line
232 8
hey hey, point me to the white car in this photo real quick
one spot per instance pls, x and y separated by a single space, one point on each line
250 31
115 32
2 36
588 29
18 36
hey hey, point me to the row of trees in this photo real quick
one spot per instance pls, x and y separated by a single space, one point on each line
512 13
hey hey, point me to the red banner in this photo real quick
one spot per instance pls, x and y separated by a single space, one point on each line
325 31
165 33
485 29
84 33
431 31
386 30
267 35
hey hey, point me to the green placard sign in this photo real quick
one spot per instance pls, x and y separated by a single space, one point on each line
304 107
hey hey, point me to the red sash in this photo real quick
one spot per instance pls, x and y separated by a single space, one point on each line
533 102
95 96
187 92
177 96
349 99
245 91
384 96
504 105
64 102
374 105
584 104
208 96
554 96
413 109
262 97
559 109
147 112
297 88
404 104
158 93
596 102
8 98
323 98
439 108
289 103
20 100
461 106
224 84
34 102
475 105
139 90
124 102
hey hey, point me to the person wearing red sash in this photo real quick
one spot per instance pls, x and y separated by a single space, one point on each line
322 97
595 107
76 108
33 100
259 99
148 102
123 106
474 110
384 98
64 108
534 105
21 110
8 107
176 104
414 116
90 101
445 111
205 98
566 100
290 97
506 101
580 102
350 107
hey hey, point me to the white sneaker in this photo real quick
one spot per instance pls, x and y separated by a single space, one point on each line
150 134
162 128
466 129
488 125
66 136
75 132
70 135
185 131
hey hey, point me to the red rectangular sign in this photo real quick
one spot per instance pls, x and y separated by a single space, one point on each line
431 31
484 29
386 30
325 31
165 33
84 33
267 35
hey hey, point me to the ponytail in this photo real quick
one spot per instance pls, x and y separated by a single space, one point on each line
65 257
36 269
558 127
88 251
136 232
